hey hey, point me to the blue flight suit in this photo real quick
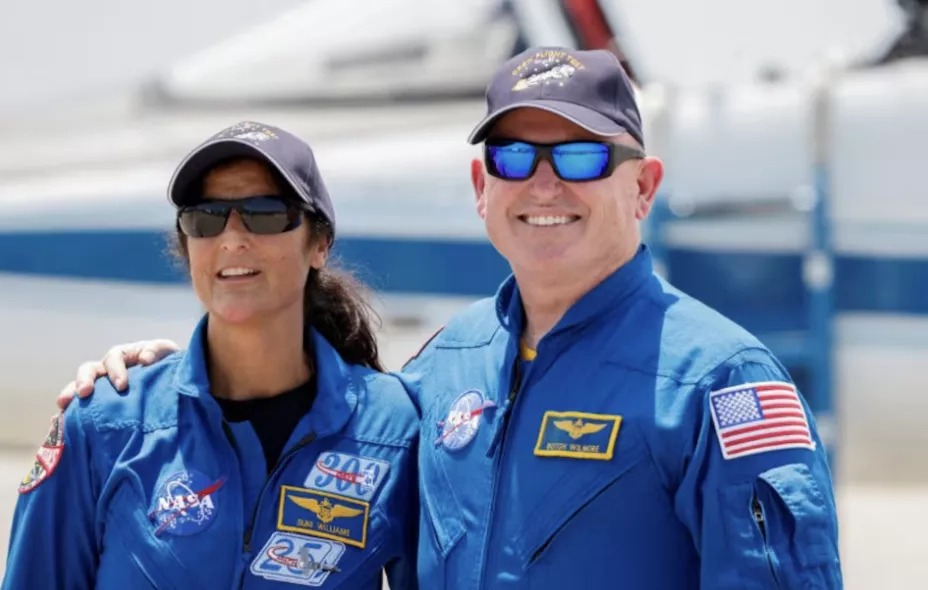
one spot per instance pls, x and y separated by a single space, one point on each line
156 490
651 444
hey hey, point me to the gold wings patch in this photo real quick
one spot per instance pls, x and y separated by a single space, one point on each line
325 510
578 427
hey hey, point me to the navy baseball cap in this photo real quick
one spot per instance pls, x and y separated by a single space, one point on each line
588 88
289 155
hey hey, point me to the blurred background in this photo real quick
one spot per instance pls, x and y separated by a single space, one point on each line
793 133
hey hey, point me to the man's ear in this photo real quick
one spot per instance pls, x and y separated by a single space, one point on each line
478 179
650 176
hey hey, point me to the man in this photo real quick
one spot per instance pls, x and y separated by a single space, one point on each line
590 426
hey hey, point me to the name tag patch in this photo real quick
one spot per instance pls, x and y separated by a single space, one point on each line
322 514
297 559
577 435
347 475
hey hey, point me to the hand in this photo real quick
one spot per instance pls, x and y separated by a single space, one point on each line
115 365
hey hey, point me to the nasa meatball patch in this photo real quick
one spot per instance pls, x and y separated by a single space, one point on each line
47 457
463 420
185 503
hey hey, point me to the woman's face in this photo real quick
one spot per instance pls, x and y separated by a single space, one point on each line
241 277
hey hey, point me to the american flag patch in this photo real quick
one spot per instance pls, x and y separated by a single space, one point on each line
759 417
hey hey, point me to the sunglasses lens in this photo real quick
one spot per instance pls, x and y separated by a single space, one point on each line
261 215
512 161
581 160
266 215
267 223
201 222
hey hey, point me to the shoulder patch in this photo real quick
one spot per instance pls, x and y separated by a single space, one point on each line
47 457
759 417
424 345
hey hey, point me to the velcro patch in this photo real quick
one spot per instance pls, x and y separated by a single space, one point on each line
296 559
347 475
321 514
758 418
47 458
577 435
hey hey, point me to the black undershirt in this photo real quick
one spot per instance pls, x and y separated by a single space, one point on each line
273 418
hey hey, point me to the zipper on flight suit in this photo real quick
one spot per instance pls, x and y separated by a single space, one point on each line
510 401
758 511
249 530
514 390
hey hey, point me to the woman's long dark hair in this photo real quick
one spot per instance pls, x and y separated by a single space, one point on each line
335 303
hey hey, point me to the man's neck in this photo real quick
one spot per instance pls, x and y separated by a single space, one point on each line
546 296
256 360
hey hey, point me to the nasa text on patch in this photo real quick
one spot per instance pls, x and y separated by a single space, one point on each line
323 514
348 475
577 435
297 559
759 417
185 503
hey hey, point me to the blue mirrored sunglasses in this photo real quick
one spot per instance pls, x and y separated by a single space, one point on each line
573 161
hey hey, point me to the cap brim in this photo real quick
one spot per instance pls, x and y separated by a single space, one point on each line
579 115
205 157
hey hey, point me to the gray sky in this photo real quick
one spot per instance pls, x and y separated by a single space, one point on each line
54 51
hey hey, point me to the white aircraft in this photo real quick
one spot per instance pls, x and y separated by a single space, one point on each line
822 252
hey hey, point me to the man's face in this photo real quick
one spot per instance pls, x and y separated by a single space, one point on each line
546 225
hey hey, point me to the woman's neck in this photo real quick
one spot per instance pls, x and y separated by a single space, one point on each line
263 359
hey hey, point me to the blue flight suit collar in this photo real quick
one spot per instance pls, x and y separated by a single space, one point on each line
603 298
336 391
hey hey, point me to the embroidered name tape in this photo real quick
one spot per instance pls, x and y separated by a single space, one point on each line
577 435
347 475
296 559
322 514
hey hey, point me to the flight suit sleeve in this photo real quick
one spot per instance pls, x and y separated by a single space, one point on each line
756 491
53 542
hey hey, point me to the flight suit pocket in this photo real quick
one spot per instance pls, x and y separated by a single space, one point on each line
778 528
153 558
442 527
799 522
444 522
567 500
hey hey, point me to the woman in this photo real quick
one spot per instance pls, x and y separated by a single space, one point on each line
264 455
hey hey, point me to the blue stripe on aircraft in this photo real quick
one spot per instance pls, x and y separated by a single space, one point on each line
439 267
760 290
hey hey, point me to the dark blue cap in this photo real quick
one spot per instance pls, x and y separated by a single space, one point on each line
288 154
588 88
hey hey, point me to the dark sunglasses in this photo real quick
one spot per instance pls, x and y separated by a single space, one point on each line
264 215
573 161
